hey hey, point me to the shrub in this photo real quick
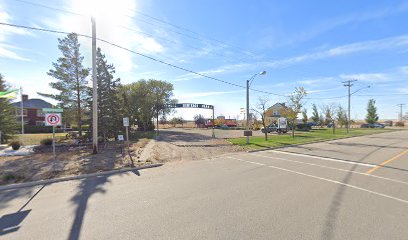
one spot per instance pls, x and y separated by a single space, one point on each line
399 124
46 142
15 145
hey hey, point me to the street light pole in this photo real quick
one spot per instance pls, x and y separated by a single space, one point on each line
94 91
248 83
348 84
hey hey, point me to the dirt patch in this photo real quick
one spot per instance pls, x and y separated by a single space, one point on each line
175 145
70 161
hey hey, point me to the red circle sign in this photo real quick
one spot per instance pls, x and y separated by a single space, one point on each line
53 119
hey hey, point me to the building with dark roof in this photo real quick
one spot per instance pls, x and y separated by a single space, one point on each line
32 110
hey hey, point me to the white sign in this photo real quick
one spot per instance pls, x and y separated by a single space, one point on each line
53 119
121 138
282 123
126 122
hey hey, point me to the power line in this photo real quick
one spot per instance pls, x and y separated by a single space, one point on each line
51 8
140 54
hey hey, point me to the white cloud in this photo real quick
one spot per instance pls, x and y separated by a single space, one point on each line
347 49
206 94
6 50
367 77
112 23
211 72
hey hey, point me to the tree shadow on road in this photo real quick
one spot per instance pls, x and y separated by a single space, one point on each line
335 206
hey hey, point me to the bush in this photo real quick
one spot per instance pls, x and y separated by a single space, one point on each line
399 124
46 142
15 145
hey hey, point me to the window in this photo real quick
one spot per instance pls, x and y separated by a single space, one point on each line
18 112
40 113
39 123
276 113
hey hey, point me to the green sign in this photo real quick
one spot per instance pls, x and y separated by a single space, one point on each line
53 110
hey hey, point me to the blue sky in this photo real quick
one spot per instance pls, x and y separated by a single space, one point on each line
314 44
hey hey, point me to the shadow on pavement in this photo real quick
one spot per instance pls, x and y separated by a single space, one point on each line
334 208
10 222
176 136
87 188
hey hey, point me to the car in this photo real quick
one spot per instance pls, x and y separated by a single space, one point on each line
270 128
372 125
379 125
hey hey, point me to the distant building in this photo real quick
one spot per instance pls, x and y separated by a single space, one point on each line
32 110
275 112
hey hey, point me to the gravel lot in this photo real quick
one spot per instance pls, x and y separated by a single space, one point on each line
189 144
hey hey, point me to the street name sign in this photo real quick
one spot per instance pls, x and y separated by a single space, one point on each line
189 105
52 110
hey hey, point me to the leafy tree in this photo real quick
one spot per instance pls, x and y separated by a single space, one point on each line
144 100
294 106
315 114
109 115
329 111
71 80
8 122
304 116
199 119
261 109
341 116
372 116
161 93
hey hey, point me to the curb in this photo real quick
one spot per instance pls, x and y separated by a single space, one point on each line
64 179
317 141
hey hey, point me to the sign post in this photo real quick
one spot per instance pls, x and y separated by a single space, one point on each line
126 124
53 119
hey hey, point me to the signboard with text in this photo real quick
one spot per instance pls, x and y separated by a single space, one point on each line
189 105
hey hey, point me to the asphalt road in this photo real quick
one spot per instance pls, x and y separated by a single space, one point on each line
332 190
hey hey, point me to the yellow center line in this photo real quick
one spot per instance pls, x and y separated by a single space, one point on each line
387 161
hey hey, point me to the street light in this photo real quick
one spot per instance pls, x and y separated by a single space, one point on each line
248 83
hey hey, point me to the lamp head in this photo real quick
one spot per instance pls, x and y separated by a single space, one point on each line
262 73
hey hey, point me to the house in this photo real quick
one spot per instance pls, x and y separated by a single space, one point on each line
32 110
275 112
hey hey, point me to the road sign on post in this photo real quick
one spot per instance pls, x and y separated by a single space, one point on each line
53 119
126 124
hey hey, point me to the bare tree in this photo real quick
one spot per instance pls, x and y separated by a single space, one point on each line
260 109
294 106
329 111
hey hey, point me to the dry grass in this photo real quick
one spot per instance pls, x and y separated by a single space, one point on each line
70 161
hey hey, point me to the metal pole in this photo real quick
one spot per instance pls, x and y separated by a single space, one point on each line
94 91
348 116
22 111
127 137
247 109
213 123
400 115
53 142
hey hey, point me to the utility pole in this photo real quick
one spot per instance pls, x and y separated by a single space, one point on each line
247 110
348 84
400 115
94 91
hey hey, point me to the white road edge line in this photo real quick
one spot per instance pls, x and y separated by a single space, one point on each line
324 158
327 180
339 169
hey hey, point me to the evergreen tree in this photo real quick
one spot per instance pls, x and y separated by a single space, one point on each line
304 116
315 114
341 116
109 113
371 116
71 80
8 122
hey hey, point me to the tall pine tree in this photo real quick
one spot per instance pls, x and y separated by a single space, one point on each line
315 114
109 111
8 122
71 81
372 116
